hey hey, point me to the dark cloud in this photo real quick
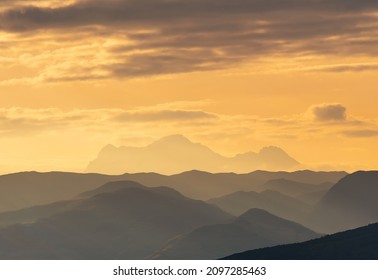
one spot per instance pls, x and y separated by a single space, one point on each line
364 133
202 35
329 112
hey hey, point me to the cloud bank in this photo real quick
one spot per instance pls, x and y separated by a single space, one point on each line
154 37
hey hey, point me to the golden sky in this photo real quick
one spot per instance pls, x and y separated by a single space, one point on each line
234 75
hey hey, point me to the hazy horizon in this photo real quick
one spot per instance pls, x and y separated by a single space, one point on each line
183 148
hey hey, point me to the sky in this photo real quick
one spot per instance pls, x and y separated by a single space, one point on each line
233 75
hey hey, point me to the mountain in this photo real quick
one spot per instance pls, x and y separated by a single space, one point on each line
356 244
27 189
34 213
124 223
111 187
254 229
175 154
350 203
271 201
294 188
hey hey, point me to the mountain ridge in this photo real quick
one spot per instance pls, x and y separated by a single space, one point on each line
255 228
355 194
355 244
26 189
184 155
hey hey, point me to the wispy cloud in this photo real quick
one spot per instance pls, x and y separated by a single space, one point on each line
361 133
179 117
359 67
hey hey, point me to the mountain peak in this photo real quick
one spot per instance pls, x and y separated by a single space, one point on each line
108 148
256 213
262 218
175 138
113 186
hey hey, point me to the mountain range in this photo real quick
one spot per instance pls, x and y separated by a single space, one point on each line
26 189
183 155
122 220
125 219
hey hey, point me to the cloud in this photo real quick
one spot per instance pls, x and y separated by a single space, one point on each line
346 68
154 37
164 115
328 112
362 133
21 121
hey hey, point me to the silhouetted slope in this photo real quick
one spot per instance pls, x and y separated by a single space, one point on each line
128 223
271 201
26 189
175 153
254 229
357 244
350 203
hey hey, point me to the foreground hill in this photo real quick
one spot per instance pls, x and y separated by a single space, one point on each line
124 223
28 189
254 229
350 203
183 155
357 244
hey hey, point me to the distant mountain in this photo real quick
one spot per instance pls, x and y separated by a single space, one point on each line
271 201
254 229
125 223
350 203
175 153
357 244
294 188
204 185
26 189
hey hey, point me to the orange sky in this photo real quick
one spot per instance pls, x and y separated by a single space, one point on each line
234 75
